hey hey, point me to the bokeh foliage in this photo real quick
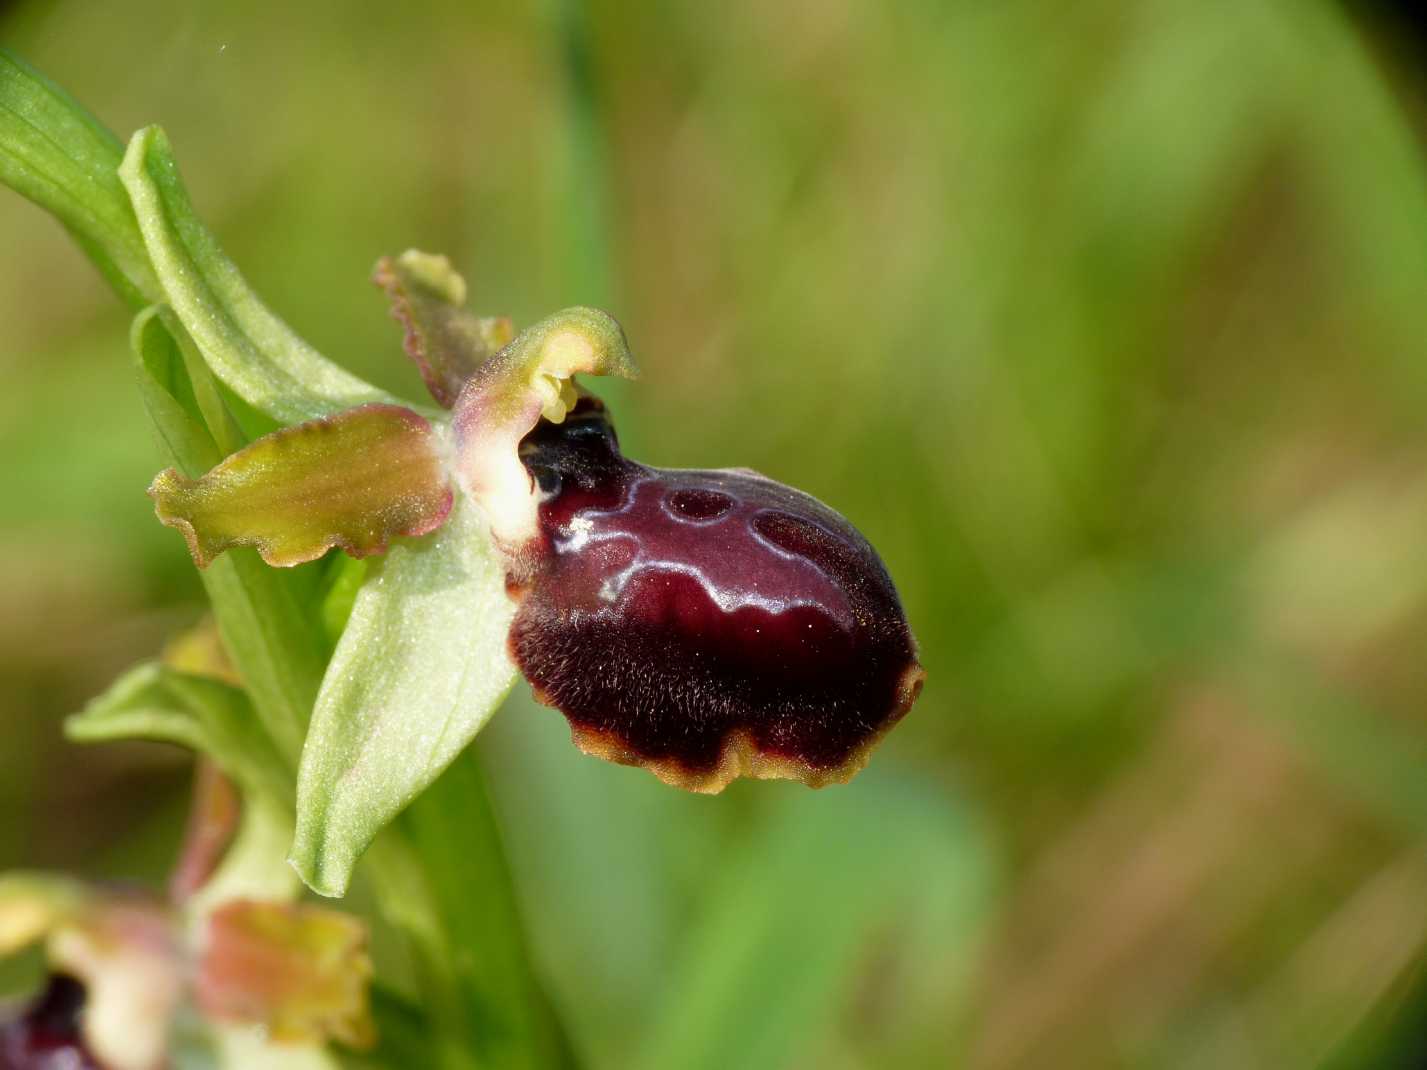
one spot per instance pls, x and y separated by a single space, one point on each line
1104 321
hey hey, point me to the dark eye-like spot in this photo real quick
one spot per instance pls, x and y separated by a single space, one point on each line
696 504
850 561
795 535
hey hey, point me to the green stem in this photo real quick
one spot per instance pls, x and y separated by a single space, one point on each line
440 872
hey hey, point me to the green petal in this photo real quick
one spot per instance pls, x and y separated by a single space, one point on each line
510 393
353 480
418 671
447 342
247 346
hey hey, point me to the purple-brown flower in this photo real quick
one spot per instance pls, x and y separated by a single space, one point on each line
705 624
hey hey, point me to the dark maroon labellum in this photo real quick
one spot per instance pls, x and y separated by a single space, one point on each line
46 1036
704 624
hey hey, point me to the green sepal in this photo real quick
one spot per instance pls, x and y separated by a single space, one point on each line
418 671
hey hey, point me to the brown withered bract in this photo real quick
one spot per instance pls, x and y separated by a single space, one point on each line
703 624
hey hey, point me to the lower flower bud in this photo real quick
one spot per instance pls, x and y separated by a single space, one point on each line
46 1035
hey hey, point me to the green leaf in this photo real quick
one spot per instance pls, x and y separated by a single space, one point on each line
789 917
153 702
167 391
447 342
59 156
354 480
498 1016
247 346
419 670
278 654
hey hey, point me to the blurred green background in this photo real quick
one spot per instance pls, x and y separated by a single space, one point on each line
1105 321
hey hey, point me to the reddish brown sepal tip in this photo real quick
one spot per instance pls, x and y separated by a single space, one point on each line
445 341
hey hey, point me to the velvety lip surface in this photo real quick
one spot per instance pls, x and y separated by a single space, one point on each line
706 624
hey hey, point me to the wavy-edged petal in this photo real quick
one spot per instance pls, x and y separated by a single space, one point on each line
510 393
354 480
447 342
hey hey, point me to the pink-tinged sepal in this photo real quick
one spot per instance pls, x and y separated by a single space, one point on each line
301 972
354 480
447 342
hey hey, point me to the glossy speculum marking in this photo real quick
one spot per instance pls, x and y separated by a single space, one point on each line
705 624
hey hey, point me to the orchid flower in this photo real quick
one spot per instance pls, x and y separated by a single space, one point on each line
258 977
703 624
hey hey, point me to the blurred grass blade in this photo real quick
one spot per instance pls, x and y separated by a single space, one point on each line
247 346
279 656
417 673
766 973
494 1013
59 156
152 702
404 1035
